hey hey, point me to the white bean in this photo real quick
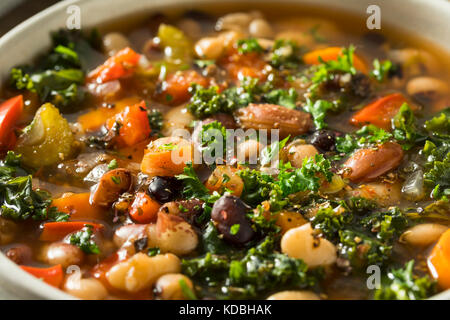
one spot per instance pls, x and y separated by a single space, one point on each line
300 243
298 152
413 59
294 295
238 21
63 253
423 234
113 42
382 192
88 289
249 151
141 271
177 118
260 28
168 286
428 86
209 48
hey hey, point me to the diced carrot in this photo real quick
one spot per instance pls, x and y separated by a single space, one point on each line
55 231
332 53
240 66
439 261
53 276
380 112
133 124
78 206
94 119
166 156
10 112
120 65
176 86
144 209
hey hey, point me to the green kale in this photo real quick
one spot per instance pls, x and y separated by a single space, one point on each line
263 269
268 153
206 102
381 69
212 242
402 284
440 124
437 168
404 128
84 240
155 118
19 201
330 221
319 110
386 224
248 46
285 98
367 136
285 54
213 139
343 64
192 186
257 186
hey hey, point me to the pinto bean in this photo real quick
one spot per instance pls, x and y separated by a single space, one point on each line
229 211
173 234
368 164
111 185
271 116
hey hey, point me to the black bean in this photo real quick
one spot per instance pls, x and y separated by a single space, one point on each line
140 244
324 140
229 214
360 85
164 189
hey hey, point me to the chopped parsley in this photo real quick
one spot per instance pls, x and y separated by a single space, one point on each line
84 240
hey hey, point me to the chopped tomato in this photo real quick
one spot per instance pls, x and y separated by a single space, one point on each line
439 261
332 53
53 276
132 123
380 112
55 231
144 209
175 89
120 65
240 65
10 112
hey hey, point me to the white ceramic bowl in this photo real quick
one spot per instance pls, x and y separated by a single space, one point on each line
426 18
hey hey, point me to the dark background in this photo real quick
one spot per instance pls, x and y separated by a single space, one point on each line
22 11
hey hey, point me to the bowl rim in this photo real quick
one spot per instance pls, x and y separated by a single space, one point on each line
24 285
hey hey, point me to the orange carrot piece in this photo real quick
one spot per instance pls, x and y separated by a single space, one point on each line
439 261
332 53
166 156
244 65
134 124
176 86
53 276
144 209
94 119
120 65
10 112
380 112
78 206
55 231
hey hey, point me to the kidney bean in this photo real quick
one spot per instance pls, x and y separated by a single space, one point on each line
368 164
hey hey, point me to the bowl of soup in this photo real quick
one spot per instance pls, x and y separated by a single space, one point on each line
178 149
